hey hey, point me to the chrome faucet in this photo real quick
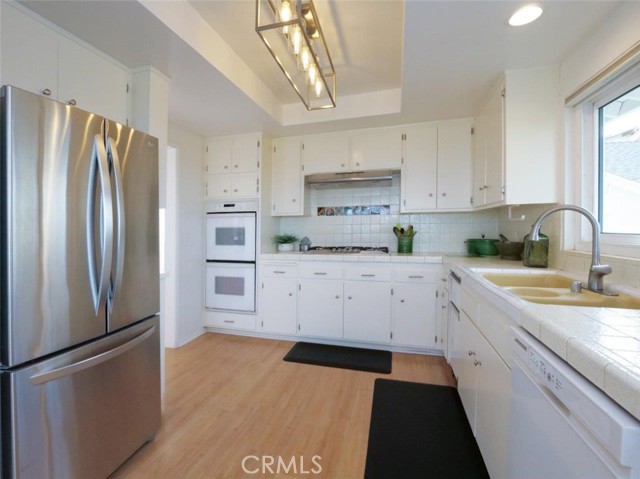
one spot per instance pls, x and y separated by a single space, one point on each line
597 271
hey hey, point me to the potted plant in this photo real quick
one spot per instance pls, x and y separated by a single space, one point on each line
285 241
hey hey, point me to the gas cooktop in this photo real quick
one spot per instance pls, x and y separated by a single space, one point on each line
348 249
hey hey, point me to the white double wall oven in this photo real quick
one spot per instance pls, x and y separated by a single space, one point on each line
230 278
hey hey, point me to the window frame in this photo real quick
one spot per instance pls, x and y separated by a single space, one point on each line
587 188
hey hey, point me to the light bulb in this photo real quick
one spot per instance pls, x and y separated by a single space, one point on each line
524 15
312 73
296 39
285 14
305 58
318 86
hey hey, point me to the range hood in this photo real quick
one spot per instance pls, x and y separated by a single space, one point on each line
351 179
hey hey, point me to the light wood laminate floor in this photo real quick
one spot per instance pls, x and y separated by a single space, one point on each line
229 397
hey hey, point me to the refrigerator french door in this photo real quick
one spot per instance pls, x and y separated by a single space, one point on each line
79 289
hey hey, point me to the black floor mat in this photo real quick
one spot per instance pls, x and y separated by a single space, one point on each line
420 431
360 359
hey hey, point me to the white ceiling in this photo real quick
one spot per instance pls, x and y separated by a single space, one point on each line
443 56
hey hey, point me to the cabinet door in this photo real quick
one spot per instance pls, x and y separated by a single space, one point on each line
419 168
244 184
219 155
492 409
278 305
218 186
29 53
320 308
414 314
94 83
325 154
466 354
494 161
244 153
287 178
454 165
367 311
377 150
479 160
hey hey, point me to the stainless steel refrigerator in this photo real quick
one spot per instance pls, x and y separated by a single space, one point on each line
79 290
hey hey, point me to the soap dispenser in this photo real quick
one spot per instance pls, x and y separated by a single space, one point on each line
536 253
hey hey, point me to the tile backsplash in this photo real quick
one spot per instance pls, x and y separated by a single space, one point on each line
436 233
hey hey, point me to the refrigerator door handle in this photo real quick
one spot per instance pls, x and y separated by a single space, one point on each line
116 278
70 369
100 168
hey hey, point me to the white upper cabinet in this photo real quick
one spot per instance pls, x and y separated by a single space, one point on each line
29 53
325 154
39 59
377 149
232 166
517 134
287 184
454 165
91 82
436 167
418 181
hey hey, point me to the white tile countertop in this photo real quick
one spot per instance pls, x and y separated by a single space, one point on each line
603 344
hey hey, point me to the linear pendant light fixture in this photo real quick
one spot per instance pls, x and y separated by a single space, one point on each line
291 32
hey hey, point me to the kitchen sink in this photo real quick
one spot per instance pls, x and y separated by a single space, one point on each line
554 289
530 280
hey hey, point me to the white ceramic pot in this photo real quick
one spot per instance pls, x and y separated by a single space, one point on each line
285 247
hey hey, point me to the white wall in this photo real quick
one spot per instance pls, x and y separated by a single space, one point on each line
189 269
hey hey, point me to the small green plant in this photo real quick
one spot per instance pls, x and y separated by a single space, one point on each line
285 239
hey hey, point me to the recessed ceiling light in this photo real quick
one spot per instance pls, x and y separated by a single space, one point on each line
524 15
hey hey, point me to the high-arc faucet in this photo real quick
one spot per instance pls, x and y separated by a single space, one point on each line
597 271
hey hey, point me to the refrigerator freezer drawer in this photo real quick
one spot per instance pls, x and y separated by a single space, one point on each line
83 413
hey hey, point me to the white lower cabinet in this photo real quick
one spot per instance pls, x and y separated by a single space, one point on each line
483 385
367 311
413 315
364 302
320 308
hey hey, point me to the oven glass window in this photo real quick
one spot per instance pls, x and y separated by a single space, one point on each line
233 236
229 285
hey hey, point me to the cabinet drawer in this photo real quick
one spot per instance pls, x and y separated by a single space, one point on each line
235 321
313 270
415 276
276 270
368 274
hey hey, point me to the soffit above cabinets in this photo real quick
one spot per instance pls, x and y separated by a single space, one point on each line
429 60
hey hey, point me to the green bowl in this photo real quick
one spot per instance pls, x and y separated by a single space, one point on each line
482 247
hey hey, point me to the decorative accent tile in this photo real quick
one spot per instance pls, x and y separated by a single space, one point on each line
353 210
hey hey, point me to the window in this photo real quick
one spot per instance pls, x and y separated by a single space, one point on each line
619 164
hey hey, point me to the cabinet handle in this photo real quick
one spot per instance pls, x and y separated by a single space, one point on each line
235 190
226 167
46 92
72 102
417 277
357 164
444 194
235 166
228 321
402 300
225 191
430 195
342 165
337 296
477 363
320 274
294 200
472 353
481 188
348 297
368 275
279 272
290 294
